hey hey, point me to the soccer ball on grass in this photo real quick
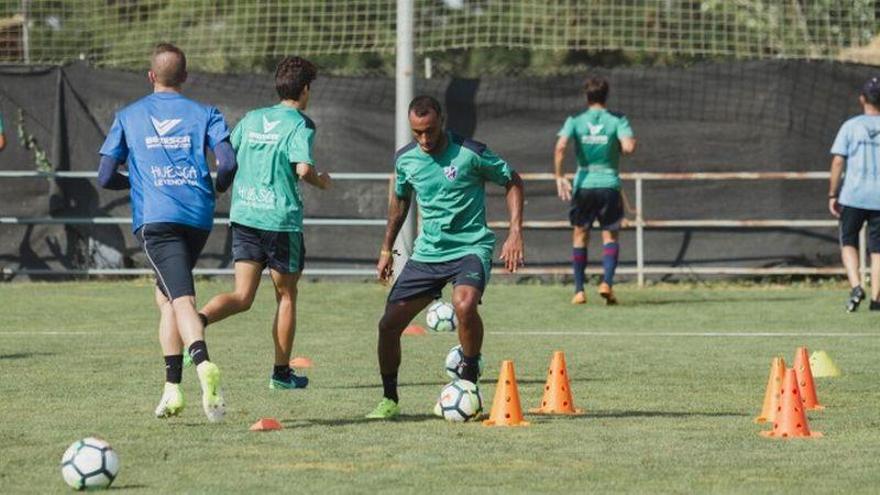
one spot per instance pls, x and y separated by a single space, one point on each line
459 401
89 463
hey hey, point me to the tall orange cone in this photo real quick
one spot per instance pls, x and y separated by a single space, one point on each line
791 420
774 388
506 408
805 380
557 391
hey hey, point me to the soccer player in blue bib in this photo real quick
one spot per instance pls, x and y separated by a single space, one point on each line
600 137
163 137
856 153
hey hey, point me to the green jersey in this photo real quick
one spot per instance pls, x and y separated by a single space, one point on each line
269 142
451 194
1 123
597 133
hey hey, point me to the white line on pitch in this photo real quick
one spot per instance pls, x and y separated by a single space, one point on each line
689 334
18 334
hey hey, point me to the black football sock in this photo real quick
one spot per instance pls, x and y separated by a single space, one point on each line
470 368
281 372
198 351
174 368
389 383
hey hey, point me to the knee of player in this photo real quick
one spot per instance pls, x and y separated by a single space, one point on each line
245 301
466 306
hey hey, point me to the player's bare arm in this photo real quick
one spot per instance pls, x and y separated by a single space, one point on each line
563 185
837 165
628 145
2 141
308 174
512 253
397 210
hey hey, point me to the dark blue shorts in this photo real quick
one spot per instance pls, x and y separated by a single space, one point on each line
172 250
283 252
420 279
602 204
851 222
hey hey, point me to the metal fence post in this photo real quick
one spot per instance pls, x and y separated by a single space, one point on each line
640 235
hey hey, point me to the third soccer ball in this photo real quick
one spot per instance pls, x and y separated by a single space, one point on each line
453 363
441 317
460 401
89 463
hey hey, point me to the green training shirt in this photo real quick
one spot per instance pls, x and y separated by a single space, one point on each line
269 142
1 123
597 134
451 194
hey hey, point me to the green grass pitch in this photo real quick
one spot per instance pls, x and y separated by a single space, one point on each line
668 411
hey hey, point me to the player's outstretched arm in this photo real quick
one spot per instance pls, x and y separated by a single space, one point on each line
837 165
563 186
628 145
307 173
512 253
397 209
109 176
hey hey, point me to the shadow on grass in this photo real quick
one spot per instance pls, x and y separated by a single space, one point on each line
25 355
722 300
308 423
127 487
658 414
440 383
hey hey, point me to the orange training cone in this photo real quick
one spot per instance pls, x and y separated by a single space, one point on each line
774 388
506 409
557 391
266 424
805 380
414 330
791 420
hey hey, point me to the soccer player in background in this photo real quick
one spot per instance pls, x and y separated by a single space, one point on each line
274 153
857 157
448 174
163 137
2 134
600 136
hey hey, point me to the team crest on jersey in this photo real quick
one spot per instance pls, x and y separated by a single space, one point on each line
164 126
595 129
269 126
450 172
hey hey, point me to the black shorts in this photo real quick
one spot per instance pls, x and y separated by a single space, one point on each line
603 204
420 279
283 252
851 222
172 250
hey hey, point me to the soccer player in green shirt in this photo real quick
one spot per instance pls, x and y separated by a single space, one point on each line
2 135
448 174
601 136
274 153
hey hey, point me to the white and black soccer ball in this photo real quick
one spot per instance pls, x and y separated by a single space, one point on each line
453 363
460 401
441 317
89 463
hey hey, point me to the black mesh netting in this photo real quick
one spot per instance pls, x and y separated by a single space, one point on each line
743 116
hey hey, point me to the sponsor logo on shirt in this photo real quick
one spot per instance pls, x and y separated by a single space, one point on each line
174 175
162 128
595 137
450 172
872 133
259 198
268 126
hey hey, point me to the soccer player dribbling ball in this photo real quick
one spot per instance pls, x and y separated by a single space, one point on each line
448 174
600 136
857 200
163 138
274 153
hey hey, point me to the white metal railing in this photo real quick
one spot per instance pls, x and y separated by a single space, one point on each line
639 224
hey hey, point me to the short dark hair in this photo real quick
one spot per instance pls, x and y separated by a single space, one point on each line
871 92
596 89
423 104
292 76
168 73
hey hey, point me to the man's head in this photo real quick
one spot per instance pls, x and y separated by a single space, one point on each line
426 121
293 79
167 66
871 93
596 90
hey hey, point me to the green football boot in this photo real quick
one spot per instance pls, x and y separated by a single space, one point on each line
171 403
212 399
387 409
